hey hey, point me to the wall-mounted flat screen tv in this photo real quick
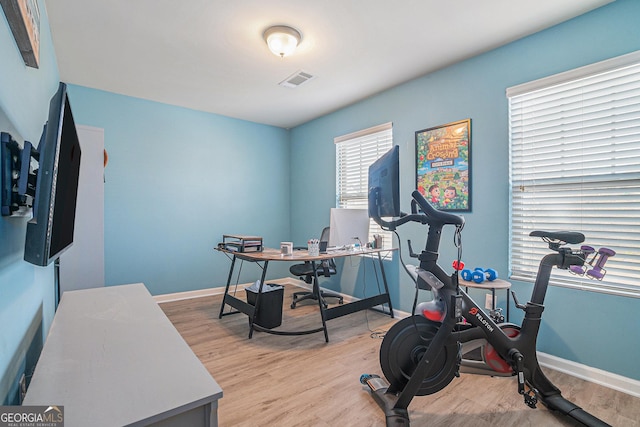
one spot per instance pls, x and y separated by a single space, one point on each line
50 231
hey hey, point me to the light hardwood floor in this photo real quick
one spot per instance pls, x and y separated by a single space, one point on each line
273 380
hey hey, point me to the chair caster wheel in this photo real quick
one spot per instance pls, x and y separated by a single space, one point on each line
293 305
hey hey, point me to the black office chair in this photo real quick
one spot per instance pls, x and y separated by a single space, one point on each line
305 272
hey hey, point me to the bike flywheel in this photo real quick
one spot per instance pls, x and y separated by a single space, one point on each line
402 349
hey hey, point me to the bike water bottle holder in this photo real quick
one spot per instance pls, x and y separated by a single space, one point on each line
597 262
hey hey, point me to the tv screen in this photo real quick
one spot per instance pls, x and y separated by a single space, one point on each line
50 231
384 176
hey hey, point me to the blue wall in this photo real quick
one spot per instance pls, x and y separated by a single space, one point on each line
26 292
476 89
176 181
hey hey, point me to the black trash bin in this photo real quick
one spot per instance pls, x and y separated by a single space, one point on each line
269 314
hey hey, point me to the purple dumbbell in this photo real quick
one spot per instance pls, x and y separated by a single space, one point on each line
580 269
597 272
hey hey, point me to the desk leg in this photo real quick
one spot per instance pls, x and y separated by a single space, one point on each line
316 286
384 281
226 289
257 306
508 304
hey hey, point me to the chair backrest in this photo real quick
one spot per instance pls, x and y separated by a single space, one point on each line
324 237
328 264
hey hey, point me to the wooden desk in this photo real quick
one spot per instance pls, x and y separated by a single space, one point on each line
263 258
112 358
490 286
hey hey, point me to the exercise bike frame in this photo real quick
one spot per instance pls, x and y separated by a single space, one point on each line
518 351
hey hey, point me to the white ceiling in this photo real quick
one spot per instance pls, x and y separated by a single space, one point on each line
209 55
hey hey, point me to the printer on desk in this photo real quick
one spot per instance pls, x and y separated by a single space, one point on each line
241 243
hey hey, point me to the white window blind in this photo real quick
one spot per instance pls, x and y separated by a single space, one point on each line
575 165
355 152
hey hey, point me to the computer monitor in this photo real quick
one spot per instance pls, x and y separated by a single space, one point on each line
384 185
348 227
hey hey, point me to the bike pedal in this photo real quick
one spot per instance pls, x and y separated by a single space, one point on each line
531 400
459 361
497 315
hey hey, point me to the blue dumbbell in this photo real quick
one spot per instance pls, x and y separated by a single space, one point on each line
466 274
479 275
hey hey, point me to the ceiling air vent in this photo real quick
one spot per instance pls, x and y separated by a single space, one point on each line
296 79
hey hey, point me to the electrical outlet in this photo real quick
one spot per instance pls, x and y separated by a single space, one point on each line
488 301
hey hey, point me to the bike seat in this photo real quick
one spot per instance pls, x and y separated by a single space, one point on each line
570 237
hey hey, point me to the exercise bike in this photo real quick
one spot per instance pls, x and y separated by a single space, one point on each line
421 354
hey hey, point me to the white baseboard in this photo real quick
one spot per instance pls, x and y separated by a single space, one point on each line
594 375
179 296
578 370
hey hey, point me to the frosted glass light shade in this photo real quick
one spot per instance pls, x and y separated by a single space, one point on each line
282 40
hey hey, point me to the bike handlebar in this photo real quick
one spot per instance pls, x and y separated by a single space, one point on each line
428 215
432 213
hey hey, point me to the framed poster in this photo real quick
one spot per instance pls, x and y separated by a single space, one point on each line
443 165
23 17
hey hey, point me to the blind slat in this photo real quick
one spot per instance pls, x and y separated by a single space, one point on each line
354 154
575 165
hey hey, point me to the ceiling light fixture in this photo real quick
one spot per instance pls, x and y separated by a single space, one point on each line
282 40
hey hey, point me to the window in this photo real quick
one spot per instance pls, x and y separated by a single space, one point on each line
355 152
575 165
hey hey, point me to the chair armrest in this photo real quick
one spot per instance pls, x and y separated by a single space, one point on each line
326 267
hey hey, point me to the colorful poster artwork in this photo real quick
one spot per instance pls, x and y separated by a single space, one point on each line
443 165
